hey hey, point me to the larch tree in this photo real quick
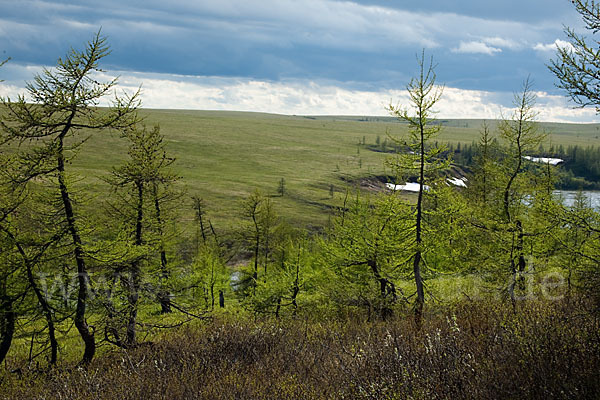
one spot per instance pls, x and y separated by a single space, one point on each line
521 134
423 159
577 67
54 119
577 63
143 178
365 249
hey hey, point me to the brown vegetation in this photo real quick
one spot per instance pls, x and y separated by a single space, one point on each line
473 350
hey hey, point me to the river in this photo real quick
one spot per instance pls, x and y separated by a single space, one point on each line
568 196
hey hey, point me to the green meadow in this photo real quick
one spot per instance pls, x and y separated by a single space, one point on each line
224 156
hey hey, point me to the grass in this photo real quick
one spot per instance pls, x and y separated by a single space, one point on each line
224 156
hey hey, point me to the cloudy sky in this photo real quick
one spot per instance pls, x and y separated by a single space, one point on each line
302 56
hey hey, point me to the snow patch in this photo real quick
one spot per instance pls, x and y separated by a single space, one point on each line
545 160
460 182
407 187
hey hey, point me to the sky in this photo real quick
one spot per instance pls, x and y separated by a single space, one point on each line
303 57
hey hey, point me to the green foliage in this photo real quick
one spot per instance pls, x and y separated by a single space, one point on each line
261 234
511 200
367 252
209 276
577 64
293 286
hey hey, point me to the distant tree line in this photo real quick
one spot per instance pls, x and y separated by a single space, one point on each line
580 169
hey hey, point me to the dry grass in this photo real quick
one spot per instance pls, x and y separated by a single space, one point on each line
471 351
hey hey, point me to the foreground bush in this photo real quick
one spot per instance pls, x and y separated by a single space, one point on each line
544 350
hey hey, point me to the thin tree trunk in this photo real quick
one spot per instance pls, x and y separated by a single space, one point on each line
517 169
111 314
134 274
520 253
46 310
513 277
47 314
256 251
221 299
508 187
87 334
417 257
164 295
278 308
201 220
296 287
212 229
513 176
385 288
7 326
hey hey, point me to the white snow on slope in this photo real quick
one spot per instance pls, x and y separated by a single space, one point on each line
545 160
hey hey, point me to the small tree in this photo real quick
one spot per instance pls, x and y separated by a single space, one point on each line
365 248
199 208
260 235
210 273
60 106
521 134
291 275
281 187
30 250
141 178
423 159
485 170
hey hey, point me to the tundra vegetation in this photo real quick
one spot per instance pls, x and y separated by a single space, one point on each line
484 291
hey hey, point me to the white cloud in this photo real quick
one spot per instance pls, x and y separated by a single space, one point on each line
10 91
475 48
502 42
314 98
552 47
303 97
555 108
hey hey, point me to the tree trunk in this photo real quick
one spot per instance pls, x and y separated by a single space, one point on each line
111 314
256 252
164 296
7 326
420 301
278 308
40 297
87 334
296 288
521 263
133 285
420 291
47 314
385 288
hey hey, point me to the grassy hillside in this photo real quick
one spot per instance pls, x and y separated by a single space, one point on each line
224 156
